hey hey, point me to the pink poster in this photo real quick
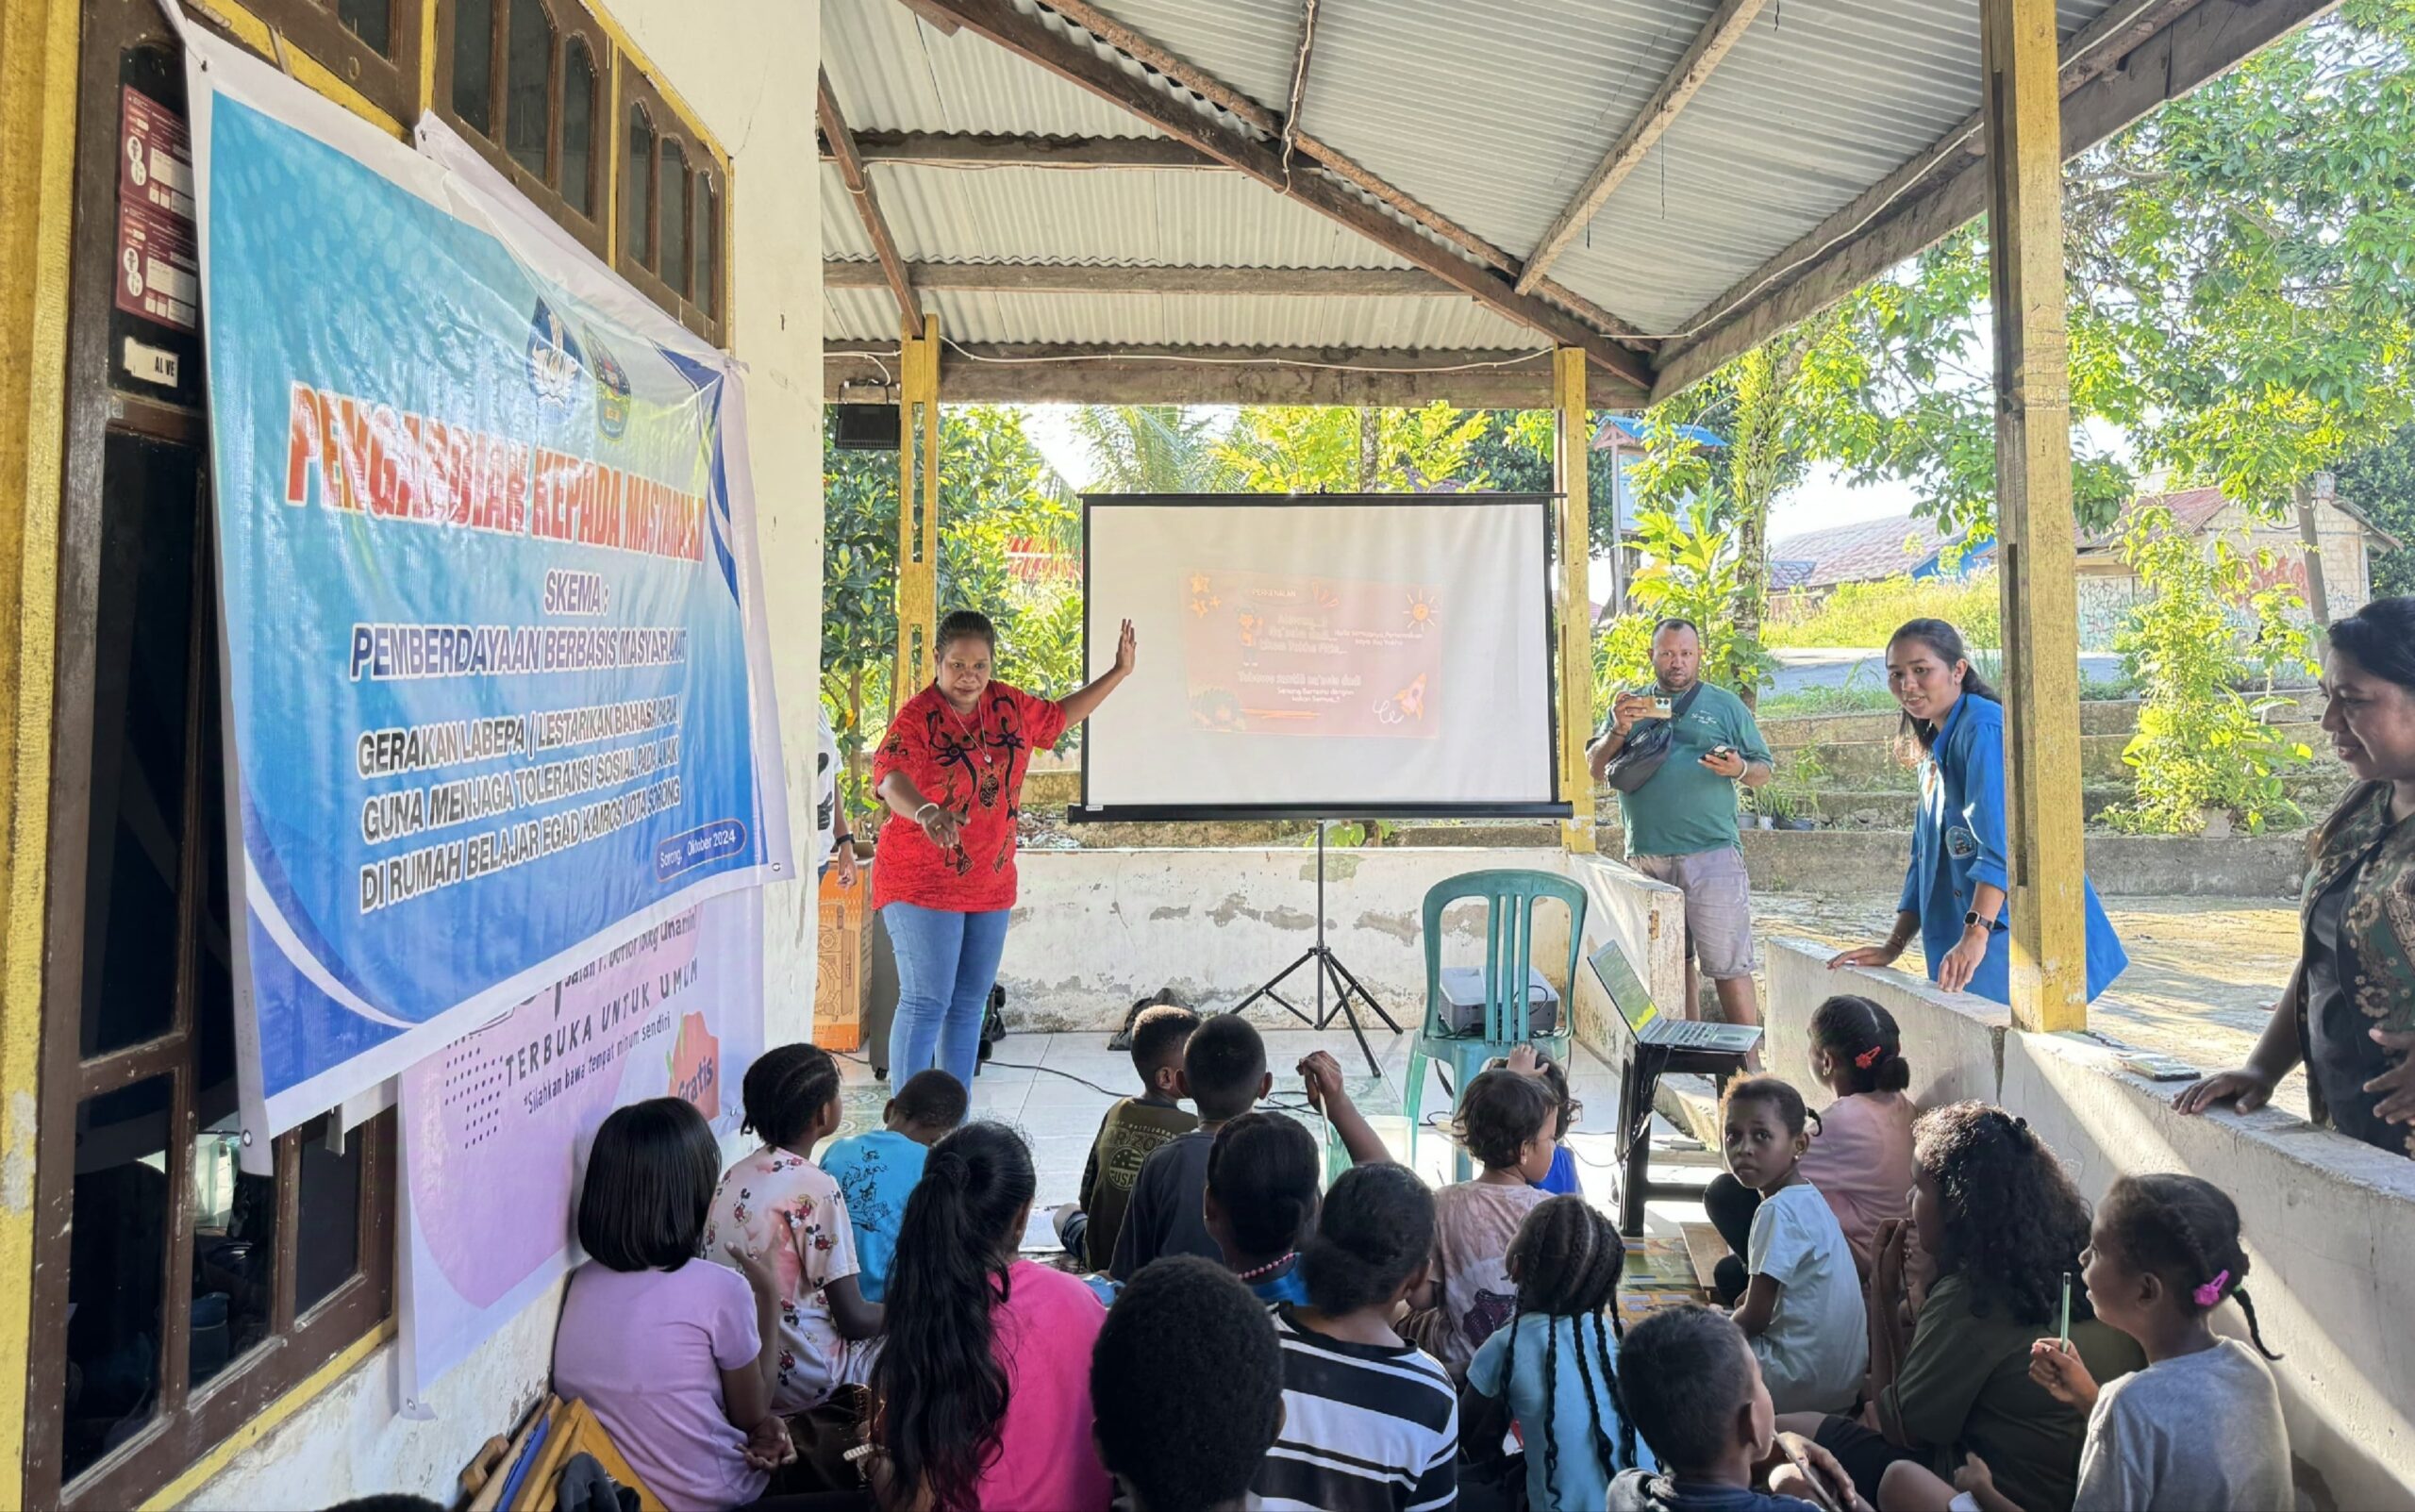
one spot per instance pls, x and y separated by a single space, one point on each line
1274 653
495 1125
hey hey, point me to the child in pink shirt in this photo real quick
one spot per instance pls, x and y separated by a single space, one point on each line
981 1395
668 1351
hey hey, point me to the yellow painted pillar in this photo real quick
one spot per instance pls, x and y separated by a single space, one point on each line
1575 606
918 507
2037 556
38 63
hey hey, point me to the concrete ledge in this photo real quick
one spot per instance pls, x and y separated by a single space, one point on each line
2329 1224
1870 863
2329 1221
1953 1041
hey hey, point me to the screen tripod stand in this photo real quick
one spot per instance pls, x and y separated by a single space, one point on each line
1325 964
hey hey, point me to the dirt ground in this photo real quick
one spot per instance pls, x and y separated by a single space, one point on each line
2204 971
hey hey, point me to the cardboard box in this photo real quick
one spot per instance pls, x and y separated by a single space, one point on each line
845 945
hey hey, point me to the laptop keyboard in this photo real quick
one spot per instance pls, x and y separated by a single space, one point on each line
1685 1032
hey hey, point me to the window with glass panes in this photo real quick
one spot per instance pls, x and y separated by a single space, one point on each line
672 199
524 81
174 1296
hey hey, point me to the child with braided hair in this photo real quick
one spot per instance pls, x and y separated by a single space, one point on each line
2200 1429
1552 1367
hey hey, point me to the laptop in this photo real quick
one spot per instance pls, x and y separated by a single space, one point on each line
1646 1022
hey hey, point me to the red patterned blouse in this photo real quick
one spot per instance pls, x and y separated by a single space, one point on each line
973 765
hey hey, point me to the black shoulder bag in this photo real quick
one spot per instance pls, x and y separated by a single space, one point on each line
1647 747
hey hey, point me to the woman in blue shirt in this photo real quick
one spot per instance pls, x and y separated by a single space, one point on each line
1956 887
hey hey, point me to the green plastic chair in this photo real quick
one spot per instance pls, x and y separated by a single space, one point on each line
1510 897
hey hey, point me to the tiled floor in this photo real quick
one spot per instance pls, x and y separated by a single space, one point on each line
1056 1087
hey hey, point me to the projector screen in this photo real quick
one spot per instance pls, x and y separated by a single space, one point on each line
1334 656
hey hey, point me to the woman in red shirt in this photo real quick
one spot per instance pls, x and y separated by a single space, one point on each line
952 767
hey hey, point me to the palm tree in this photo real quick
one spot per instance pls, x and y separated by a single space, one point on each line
1146 448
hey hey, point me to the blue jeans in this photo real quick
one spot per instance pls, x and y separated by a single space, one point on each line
947 963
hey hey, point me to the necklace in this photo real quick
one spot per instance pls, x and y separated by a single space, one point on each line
973 731
1267 1270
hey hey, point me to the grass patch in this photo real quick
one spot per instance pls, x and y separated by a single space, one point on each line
1865 614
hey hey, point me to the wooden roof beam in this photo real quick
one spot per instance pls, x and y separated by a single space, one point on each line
842 147
1710 46
950 149
991 373
2134 57
1033 38
1078 278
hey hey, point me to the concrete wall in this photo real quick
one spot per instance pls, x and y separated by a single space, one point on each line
736 65
1869 864
2328 1220
1095 930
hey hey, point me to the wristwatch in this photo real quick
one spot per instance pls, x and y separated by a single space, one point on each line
1972 918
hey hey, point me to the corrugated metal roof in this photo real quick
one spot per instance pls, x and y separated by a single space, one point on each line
891 72
1490 111
1174 217
1184 320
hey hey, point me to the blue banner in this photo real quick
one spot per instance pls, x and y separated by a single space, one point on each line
494 677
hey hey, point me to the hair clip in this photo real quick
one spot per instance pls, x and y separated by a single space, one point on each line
1869 1057
2211 1292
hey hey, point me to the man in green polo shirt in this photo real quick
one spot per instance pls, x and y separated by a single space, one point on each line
1681 823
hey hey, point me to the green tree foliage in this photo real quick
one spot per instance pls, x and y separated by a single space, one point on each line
2202 747
1517 452
1777 408
1692 568
995 491
1147 448
2380 481
1311 449
1865 614
2241 273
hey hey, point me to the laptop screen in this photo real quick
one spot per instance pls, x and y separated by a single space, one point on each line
1625 990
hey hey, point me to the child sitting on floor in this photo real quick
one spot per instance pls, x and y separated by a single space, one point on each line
1505 1120
2002 1224
1171 1446
1368 1420
1131 1131
981 1395
1553 1369
2200 1429
1223 1074
1694 1391
876 1171
673 1356
1262 1172
1860 1159
1528 1061
1802 1305
778 1206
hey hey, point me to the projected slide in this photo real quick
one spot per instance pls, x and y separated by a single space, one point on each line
1281 653
1339 656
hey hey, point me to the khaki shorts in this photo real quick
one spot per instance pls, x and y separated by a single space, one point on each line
1719 907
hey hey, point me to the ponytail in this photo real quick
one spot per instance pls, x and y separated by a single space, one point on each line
2185 1230
1862 1036
941 1392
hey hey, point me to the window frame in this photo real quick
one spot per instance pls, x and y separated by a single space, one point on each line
632 90
569 18
389 84
186 1422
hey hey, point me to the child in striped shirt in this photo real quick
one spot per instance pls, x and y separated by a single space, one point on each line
1371 1423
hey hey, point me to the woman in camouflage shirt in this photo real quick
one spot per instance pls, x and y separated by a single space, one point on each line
2349 1012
